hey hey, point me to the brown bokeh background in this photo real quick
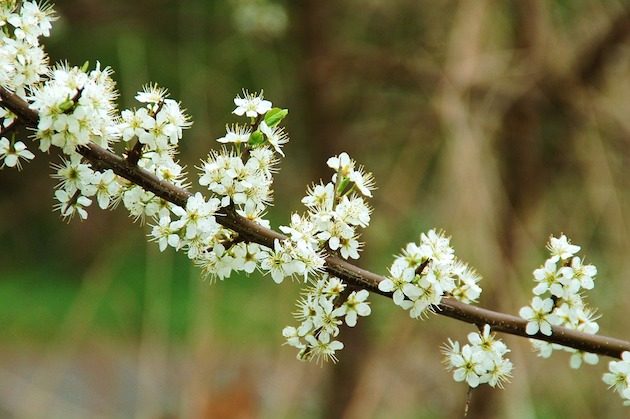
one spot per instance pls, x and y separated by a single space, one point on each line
500 122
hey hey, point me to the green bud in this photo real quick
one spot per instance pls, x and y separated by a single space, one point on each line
256 138
66 105
85 66
274 116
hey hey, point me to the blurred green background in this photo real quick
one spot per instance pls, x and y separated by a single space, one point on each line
501 122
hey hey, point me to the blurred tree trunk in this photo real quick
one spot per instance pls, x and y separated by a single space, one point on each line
537 138
324 128
313 20
521 151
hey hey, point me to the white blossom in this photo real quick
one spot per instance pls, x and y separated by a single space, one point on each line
618 376
236 134
251 104
165 233
482 361
539 316
10 154
276 136
561 248
355 305
69 205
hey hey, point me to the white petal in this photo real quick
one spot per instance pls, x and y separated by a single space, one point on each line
532 328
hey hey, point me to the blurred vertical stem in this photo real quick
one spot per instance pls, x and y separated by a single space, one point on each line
96 281
154 343
468 176
323 124
132 64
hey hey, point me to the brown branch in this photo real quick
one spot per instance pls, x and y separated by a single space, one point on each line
591 62
134 154
8 130
103 159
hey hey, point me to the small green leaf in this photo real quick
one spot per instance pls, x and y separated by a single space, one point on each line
66 105
274 116
342 185
256 139
85 66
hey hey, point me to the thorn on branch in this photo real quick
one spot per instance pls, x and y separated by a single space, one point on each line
343 296
423 265
75 100
232 242
254 125
6 131
72 201
134 155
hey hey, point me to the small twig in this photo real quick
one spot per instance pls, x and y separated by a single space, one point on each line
73 200
133 155
236 240
343 296
256 123
6 131
423 265
468 400
75 100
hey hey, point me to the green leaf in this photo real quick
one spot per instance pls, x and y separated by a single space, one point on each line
256 139
85 66
66 105
274 116
342 185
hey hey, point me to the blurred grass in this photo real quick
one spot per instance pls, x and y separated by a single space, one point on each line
33 311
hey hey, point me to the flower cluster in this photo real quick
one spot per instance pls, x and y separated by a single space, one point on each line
481 361
321 310
90 117
335 211
240 180
77 182
75 108
558 299
242 177
158 126
289 258
22 63
425 272
618 377
22 58
153 132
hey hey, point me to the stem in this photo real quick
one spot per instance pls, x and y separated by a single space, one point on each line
73 200
8 130
102 159
423 265
133 155
256 123
468 400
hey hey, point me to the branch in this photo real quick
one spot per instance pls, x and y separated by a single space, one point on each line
103 159
591 62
